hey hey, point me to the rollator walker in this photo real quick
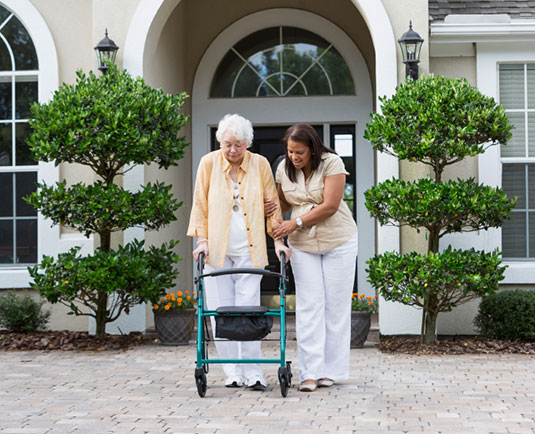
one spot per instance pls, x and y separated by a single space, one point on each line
237 316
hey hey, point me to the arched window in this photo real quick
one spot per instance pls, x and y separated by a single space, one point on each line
282 61
18 172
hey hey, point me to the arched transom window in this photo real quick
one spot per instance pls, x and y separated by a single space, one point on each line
282 61
18 172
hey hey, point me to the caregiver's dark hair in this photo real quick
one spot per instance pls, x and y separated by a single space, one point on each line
306 134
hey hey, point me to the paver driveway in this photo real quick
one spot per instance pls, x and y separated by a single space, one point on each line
151 389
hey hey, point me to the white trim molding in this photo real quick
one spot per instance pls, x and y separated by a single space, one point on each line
48 235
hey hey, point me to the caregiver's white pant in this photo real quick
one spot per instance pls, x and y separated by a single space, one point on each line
323 287
235 290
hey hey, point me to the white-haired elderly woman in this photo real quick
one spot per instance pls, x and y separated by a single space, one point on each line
228 220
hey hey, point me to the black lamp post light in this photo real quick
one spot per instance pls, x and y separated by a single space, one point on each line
411 44
106 51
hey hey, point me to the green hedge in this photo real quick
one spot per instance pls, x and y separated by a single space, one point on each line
507 315
22 313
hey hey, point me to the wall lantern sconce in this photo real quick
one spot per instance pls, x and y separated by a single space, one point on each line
411 44
106 50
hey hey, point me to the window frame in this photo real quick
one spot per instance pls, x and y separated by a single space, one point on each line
49 239
490 164
521 161
12 121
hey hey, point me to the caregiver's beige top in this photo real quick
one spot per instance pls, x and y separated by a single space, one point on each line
305 195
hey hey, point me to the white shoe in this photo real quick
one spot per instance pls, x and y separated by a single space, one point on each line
234 382
325 382
307 386
257 383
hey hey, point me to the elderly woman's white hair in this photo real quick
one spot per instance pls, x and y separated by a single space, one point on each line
239 127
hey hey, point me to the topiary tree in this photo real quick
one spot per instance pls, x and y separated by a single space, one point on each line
108 123
437 121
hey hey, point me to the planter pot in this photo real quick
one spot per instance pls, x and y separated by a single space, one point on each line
174 327
360 327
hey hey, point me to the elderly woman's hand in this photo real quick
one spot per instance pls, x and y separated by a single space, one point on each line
280 247
284 229
269 207
202 247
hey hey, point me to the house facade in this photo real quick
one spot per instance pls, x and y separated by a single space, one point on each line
277 62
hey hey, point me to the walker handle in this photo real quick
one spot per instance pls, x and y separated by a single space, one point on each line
241 271
283 265
200 263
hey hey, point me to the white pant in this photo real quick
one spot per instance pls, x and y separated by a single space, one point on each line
235 290
323 286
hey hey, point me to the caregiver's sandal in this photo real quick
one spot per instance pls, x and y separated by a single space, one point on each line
325 382
307 386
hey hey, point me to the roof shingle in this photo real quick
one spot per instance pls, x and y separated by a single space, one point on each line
438 9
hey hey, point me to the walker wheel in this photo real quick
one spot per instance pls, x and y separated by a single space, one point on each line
284 381
200 381
289 372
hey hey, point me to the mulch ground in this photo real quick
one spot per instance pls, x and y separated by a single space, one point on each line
65 340
454 345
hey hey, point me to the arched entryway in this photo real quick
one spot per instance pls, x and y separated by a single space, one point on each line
171 43
273 104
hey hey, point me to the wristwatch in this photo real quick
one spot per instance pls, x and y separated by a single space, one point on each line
299 222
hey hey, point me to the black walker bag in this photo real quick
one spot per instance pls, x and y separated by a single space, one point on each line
242 327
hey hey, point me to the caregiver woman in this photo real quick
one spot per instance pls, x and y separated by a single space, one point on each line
227 218
323 239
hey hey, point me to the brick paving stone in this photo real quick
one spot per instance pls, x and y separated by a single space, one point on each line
151 389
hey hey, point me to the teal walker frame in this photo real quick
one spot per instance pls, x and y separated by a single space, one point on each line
285 371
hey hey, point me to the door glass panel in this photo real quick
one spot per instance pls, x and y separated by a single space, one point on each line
282 61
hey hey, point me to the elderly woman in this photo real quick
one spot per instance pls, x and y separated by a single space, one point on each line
227 218
323 238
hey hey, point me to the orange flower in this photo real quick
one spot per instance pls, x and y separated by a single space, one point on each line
179 302
168 297
179 293
376 297
194 293
167 306
188 297
369 298
355 294
173 297
163 299
155 307
371 303
187 292
361 296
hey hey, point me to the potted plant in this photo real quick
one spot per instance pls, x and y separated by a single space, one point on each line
362 308
174 318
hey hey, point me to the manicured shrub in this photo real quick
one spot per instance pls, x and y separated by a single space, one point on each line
109 124
437 121
22 313
507 315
